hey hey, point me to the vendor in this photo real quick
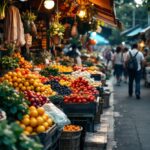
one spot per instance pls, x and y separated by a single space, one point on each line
75 53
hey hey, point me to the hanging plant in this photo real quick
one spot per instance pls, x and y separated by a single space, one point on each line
3 5
56 29
28 20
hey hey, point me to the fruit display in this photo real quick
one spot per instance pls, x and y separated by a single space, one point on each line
9 63
12 102
22 62
37 121
71 128
80 85
61 90
49 71
82 92
62 68
24 79
35 99
79 98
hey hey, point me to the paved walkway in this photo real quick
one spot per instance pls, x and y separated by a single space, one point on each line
132 119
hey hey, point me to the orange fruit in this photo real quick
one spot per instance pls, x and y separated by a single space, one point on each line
40 120
28 88
14 78
18 80
46 115
22 126
50 122
31 81
20 85
46 125
33 113
33 122
26 83
26 116
29 129
26 132
26 121
32 87
23 88
41 111
40 129
15 84
32 108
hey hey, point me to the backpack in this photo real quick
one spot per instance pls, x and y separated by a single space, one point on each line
132 64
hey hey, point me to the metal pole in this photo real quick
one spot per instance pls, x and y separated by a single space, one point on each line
133 17
148 18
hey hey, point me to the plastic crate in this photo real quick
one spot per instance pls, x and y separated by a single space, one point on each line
81 108
50 137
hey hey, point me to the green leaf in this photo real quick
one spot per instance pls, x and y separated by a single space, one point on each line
20 116
13 110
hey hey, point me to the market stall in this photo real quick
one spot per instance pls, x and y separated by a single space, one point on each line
50 95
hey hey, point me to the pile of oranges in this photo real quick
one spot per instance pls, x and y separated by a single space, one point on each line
22 62
37 121
71 128
24 79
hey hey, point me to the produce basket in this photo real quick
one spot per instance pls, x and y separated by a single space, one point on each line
70 140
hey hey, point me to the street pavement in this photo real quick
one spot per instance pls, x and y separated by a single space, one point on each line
131 118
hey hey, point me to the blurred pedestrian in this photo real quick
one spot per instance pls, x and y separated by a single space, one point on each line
135 74
108 56
125 71
118 64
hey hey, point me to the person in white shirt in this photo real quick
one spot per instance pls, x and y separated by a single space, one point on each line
135 75
125 72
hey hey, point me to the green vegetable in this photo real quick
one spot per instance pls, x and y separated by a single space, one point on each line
9 63
11 138
49 71
12 102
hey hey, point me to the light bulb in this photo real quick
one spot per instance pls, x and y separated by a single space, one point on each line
49 4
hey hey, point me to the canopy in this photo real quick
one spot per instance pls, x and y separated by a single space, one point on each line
100 40
135 32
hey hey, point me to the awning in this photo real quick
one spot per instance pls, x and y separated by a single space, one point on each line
106 12
146 29
127 31
134 32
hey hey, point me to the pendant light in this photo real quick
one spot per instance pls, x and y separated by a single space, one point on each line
49 4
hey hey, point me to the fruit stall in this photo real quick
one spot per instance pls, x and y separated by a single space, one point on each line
47 100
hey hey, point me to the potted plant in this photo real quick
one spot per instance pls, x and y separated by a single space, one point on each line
3 5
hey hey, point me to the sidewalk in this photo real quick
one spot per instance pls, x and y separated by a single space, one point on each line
132 119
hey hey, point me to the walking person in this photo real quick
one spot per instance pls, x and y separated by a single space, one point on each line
125 71
135 73
118 64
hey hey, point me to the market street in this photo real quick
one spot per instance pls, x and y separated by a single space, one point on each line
132 122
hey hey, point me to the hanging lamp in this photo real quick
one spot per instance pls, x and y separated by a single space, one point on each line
49 4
